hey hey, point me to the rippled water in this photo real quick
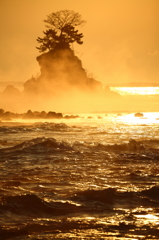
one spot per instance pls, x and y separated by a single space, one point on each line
94 177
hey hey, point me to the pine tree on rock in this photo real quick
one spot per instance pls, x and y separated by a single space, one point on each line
61 32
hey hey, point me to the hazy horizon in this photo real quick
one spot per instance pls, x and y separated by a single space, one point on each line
20 85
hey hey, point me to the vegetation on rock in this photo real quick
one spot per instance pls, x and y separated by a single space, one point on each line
61 32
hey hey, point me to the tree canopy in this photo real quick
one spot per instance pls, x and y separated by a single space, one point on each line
61 30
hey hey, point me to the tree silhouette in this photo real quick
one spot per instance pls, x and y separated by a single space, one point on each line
61 32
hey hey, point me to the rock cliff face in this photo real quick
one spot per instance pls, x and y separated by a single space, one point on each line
61 70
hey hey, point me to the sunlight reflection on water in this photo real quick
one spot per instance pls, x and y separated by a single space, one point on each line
79 179
136 90
147 119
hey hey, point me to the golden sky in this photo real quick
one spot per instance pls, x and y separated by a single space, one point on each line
121 38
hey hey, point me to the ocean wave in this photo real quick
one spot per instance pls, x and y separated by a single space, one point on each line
52 126
106 195
106 199
42 217
152 193
32 205
112 197
139 149
23 128
132 145
40 143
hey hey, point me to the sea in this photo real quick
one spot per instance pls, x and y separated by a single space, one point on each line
91 177
123 91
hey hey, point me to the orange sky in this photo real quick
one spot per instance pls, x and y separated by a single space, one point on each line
121 38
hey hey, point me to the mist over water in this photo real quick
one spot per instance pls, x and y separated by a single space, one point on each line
63 85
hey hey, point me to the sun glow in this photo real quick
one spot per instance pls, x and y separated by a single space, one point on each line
136 90
147 119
